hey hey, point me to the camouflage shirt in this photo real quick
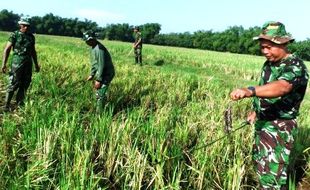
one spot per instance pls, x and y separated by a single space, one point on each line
23 43
138 37
292 70
23 46
101 64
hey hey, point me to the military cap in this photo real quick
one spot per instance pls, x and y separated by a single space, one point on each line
88 35
24 21
274 32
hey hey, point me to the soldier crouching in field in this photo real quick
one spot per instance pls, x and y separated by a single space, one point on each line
24 52
102 69
276 102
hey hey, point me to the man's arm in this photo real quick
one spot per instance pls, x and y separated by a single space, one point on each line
94 64
137 43
270 90
274 89
35 59
101 63
6 54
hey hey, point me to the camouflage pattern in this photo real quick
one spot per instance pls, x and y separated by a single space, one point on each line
138 49
23 45
138 55
138 36
276 125
293 70
102 70
24 21
275 32
100 96
21 66
89 35
273 144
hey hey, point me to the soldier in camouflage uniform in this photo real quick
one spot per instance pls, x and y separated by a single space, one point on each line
137 45
102 69
276 101
24 53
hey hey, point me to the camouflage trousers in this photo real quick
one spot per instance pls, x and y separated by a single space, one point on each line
19 79
273 144
138 55
100 98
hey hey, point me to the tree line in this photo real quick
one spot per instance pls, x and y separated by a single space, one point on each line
234 39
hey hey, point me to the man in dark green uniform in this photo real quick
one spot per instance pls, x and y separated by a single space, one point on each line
137 45
276 102
24 53
102 69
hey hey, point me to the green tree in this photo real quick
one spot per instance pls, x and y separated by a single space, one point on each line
302 49
122 32
8 20
149 31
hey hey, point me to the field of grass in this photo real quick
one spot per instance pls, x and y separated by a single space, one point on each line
154 115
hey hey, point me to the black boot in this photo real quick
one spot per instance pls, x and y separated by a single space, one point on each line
8 98
20 96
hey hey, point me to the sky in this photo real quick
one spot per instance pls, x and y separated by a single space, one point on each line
176 15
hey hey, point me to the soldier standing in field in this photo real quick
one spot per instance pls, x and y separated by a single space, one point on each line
276 102
137 45
102 69
24 53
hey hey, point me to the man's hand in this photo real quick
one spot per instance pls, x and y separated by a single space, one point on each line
97 85
3 68
251 117
90 78
240 94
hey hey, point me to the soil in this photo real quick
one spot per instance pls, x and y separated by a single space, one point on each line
304 184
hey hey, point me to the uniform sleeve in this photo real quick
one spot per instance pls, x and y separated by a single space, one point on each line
293 73
33 42
140 38
12 38
100 58
94 63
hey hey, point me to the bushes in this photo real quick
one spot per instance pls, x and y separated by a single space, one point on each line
302 49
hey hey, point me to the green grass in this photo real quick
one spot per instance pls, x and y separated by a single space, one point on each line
173 103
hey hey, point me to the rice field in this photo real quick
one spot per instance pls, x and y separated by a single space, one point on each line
157 120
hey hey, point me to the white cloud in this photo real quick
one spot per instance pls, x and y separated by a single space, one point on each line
99 16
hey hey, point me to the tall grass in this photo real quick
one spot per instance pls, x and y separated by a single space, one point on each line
173 103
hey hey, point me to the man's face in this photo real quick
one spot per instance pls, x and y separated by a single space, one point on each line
24 28
91 42
273 52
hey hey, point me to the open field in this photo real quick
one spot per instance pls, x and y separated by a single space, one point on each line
173 103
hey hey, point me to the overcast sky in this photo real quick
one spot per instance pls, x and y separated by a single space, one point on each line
176 15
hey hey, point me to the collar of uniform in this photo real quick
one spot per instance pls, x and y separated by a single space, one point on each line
278 63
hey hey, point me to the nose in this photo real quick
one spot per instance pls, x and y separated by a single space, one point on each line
264 51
